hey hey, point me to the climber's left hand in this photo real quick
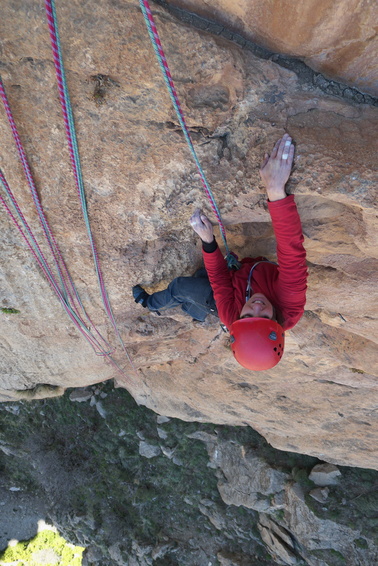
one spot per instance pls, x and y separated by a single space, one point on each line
202 226
275 169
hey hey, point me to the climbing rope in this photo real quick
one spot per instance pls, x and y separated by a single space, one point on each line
34 247
74 155
232 261
64 289
59 263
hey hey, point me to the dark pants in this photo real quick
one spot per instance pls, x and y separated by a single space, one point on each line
193 294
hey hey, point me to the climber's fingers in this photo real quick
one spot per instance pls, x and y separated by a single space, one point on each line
196 217
202 225
265 160
284 147
290 156
275 149
199 218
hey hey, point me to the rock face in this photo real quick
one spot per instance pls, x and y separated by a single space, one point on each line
292 531
142 188
335 38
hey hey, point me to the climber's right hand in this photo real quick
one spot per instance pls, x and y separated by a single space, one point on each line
202 226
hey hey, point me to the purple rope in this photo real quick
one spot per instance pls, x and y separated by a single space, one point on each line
74 155
59 262
43 264
69 288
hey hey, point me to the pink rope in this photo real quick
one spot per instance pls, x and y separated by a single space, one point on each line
94 343
59 261
74 155
171 87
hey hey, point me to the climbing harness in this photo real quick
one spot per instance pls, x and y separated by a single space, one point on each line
232 261
249 290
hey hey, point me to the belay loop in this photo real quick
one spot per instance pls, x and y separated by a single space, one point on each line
232 261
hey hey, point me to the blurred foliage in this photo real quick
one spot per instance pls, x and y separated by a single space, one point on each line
104 491
47 548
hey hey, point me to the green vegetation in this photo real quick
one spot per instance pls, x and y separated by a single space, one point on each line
102 484
85 464
47 548
330 556
8 310
361 543
279 515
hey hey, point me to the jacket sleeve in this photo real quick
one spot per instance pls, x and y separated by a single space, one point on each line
221 284
292 268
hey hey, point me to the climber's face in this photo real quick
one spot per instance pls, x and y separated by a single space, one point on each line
257 306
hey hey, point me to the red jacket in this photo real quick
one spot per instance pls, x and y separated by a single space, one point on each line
283 285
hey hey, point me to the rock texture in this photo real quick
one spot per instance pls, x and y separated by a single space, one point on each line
232 499
336 38
292 531
142 188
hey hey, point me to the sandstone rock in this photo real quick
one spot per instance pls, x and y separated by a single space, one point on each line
148 450
41 391
92 555
334 38
215 517
231 559
14 409
291 530
161 550
320 494
168 452
246 479
47 557
141 189
140 555
8 450
325 474
116 555
227 560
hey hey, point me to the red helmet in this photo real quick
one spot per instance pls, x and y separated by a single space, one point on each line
257 343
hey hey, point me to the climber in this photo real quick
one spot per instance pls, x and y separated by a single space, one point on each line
261 300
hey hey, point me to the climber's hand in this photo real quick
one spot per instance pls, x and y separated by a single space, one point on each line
275 169
202 226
